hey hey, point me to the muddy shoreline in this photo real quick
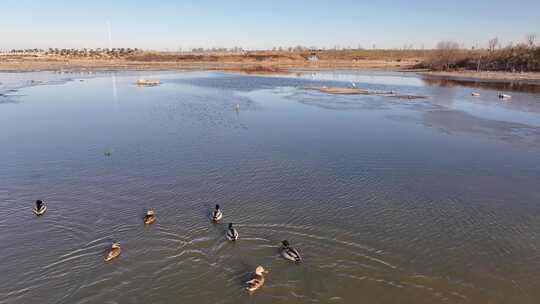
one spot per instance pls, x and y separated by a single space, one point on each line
270 67
487 76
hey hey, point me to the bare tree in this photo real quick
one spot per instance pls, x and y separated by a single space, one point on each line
493 43
447 45
447 52
531 39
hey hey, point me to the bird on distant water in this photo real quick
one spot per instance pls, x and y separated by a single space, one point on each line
504 96
217 214
290 253
232 234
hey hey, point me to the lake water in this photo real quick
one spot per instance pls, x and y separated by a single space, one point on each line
432 200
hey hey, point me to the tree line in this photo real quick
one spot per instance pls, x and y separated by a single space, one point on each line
520 57
84 52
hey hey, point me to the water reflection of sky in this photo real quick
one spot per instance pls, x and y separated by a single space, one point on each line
524 107
370 77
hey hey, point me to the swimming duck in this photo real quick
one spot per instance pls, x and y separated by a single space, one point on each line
504 96
40 208
150 217
475 94
217 214
232 234
290 253
114 253
258 279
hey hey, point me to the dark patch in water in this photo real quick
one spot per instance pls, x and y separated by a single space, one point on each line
247 83
493 85
451 121
9 98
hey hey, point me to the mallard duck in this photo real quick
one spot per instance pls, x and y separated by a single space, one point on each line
232 234
150 217
258 279
217 214
114 253
40 208
290 253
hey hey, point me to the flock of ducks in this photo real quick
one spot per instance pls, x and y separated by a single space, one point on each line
257 280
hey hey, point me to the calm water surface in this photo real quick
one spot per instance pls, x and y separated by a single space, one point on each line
390 201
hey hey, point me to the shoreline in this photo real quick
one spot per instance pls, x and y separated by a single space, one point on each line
484 76
270 67
38 64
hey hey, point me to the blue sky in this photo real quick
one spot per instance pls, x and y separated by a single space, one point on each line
159 24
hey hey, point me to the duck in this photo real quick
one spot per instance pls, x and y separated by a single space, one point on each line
232 234
290 253
40 208
150 217
475 94
257 281
217 214
114 253
504 96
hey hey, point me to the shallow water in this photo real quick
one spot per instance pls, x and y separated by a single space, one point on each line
390 201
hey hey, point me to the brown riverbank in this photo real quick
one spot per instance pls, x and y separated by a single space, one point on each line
257 62
33 64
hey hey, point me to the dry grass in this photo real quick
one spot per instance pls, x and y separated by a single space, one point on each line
256 62
511 59
515 59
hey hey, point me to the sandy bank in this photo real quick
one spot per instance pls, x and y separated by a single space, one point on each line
338 91
358 91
